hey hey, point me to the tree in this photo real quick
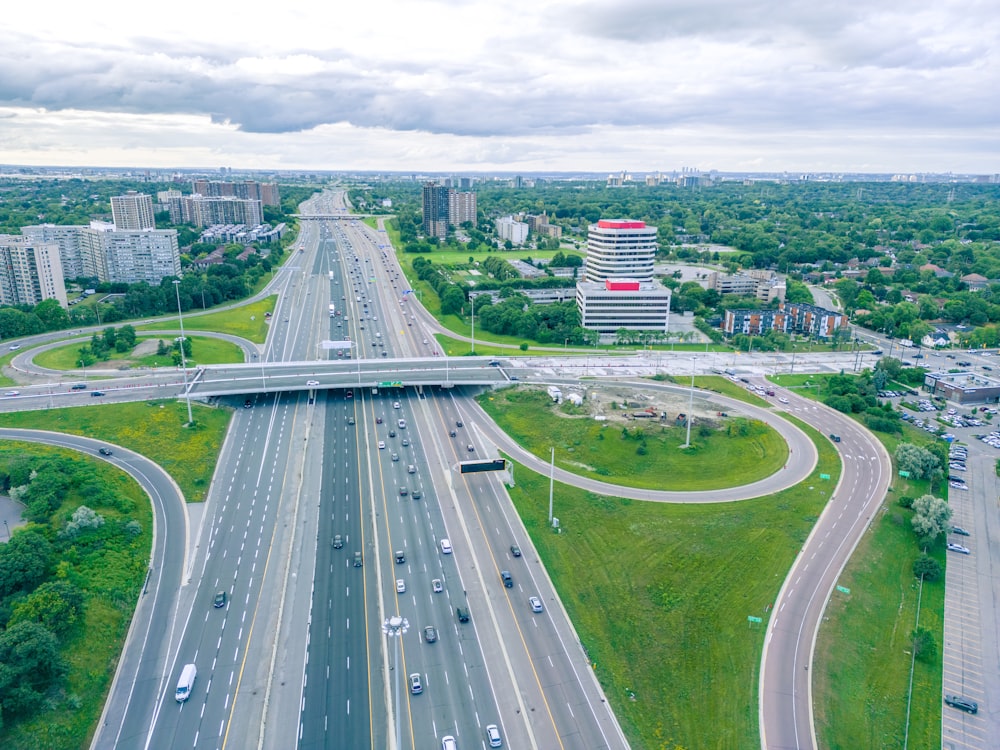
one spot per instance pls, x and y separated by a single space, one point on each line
55 605
930 517
924 645
927 567
919 462
24 560
29 665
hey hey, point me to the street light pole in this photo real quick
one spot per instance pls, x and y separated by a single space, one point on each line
180 318
687 444
394 627
473 301
552 480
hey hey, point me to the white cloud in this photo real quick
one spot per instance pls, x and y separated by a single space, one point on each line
522 85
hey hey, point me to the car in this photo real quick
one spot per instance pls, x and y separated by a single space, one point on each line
415 685
448 743
436 586
15 347
79 387
835 438
462 614
400 586
395 405
425 341
459 423
94 394
395 456
378 420
104 451
405 442
952 547
392 433
782 399
960 531
958 485
536 604
515 550
445 546
451 433
12 393
338 541
430 634
508 580
381 445
416 494
411 469
357 560
247 404
220 600
962 703
471 448
493 736
349 394
312 382
401 424
403 492
350 420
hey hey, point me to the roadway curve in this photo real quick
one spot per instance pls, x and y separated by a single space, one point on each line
802 456
148 643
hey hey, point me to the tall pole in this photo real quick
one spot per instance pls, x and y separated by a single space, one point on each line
552 481
180 318
394 627
687 444
473 301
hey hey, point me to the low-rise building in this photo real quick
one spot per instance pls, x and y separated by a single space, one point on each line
963 387
796 317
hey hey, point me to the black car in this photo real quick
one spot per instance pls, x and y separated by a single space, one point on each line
95 394
79 387
960 531
515 550
220 599
247 404
104 451
459 423
962 703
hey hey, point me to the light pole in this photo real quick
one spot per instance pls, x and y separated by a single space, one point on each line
180 318
687 444
552 480
394 627
473 301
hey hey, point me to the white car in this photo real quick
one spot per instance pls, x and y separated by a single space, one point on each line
493 736
395 404
381 445
400 586
959 548
312 382
12 393
536 604
782 399
445 547
436 586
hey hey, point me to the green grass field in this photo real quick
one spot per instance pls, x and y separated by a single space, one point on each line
649 456
205 349
660 595
247 321
152 428
726 387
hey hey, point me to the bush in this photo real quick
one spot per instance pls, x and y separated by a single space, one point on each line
924 645
927 567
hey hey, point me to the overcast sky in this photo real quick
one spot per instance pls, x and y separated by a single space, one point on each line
512 85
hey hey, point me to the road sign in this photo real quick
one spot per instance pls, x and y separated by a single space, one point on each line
843 590
757 620
904 474
490 464
391 384
825 477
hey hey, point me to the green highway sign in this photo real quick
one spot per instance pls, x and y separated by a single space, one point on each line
825 477
843 590
391 384
904 474
751 618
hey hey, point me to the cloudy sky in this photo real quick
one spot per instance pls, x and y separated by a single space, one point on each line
513 85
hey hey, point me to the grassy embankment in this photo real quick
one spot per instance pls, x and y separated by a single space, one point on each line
247 321
205 351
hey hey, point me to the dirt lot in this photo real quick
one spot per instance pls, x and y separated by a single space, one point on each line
619 404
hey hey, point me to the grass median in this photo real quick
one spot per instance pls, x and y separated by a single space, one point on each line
660 594
248 321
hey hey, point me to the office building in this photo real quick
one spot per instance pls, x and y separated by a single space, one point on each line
609 305
132 211
509 229
620 249
30 271
618 290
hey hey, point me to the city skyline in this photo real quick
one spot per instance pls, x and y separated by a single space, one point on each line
466 85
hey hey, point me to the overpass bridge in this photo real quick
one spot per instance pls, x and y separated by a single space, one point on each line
273 377
338 217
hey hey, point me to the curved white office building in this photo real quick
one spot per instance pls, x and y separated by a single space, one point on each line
620 249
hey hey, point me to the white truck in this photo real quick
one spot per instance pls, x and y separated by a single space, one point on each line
333 310
186 683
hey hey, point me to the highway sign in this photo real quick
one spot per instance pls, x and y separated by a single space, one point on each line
490 464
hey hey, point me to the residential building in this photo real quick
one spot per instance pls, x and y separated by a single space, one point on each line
67 238
132 211
795 317
508 228
202 211
609 305
435 204
975 282
265 192
242 234
461 208
763 285
620 249
539 225
30 271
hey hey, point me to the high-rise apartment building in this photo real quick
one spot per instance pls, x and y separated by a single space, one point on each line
204 212
101 251
29 271
510 229
435 204
461 208
133 211
620 249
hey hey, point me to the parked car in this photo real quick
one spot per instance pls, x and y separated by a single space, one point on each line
961 702
960 531
952 547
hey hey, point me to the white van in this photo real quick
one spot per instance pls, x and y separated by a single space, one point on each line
186 683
